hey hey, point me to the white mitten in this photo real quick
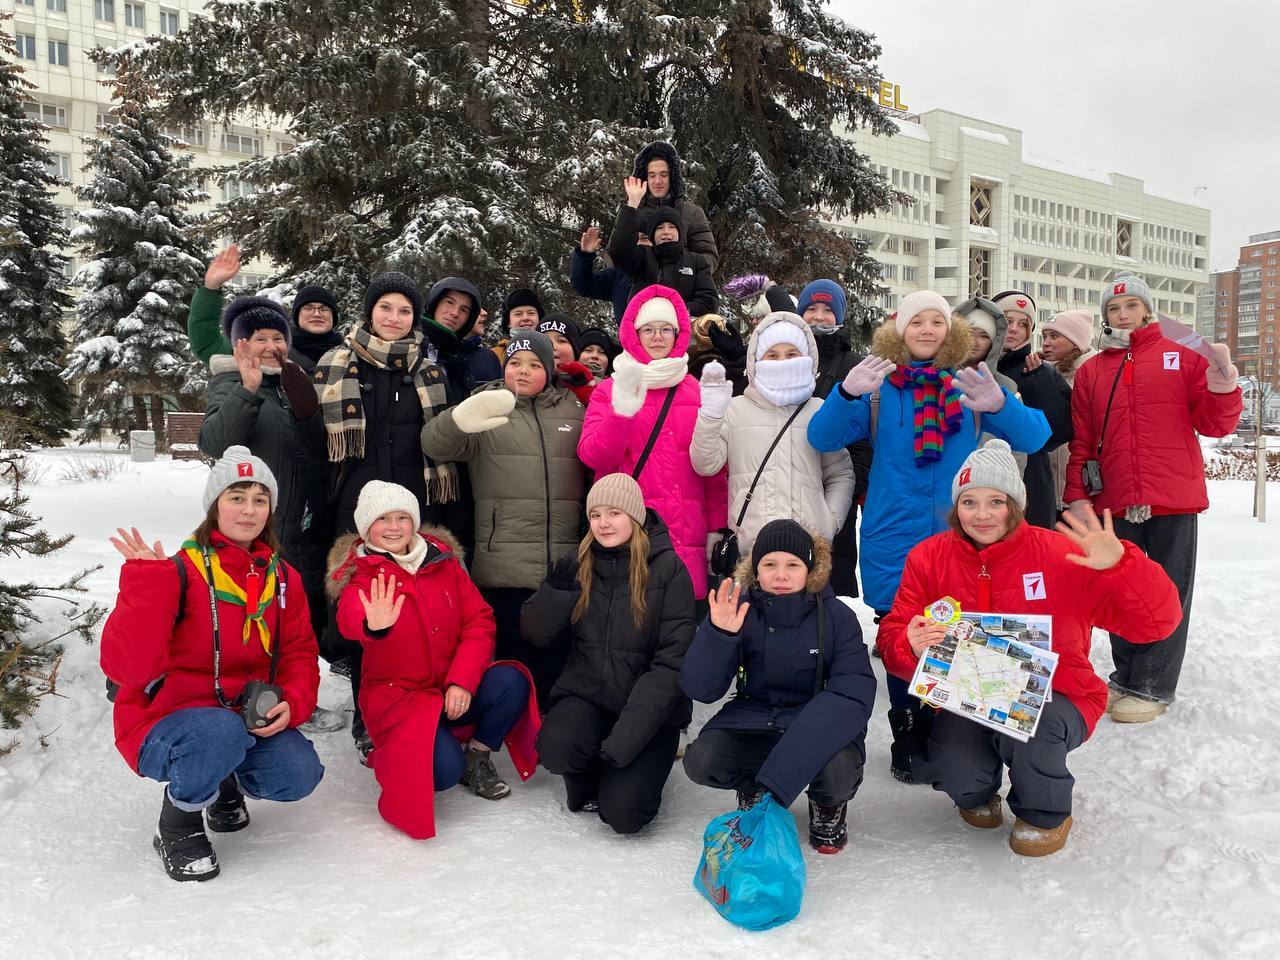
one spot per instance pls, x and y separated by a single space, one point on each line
628 390
867 376
979 390
484 411
716 390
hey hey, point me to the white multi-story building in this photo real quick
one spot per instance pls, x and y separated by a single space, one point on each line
54 38
988 218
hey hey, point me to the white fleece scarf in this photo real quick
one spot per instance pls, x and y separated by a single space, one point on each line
657 374
784 382
409 561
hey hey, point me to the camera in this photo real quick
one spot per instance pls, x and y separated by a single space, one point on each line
256 701
1091 477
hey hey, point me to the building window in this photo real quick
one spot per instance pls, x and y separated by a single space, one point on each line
909 248
1029 288
979 272
191 136
26 46
1124 238
25 3
234 189
104 10
980 203
891 244
56 6
58 56
49 114
909 274
239 143
135 15
1045 291
59 165
169 22
68 217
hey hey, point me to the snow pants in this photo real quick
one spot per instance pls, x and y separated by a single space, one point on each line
569 745
195 749
966 761
1150 670
731 759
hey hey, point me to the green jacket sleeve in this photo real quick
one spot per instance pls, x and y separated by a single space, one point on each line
204 329
443 442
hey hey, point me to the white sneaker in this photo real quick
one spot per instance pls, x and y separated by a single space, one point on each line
683 744
1136 710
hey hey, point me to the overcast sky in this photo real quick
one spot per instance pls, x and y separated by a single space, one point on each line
1179 94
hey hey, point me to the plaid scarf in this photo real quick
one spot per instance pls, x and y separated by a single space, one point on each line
936 402
342 401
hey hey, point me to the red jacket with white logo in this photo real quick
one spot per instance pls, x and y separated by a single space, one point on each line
1135 598
1150 452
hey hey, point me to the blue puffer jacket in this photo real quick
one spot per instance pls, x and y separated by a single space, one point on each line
907 502
777 650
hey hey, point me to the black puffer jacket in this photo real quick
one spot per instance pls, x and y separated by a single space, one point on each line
634 672
696 234
1041 389
671 264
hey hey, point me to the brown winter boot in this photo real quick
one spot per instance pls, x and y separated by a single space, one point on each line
988 816
1032 841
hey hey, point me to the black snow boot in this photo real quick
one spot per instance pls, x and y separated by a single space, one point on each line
228 813
911 728
481 776
827 833
749 798
364 742
183 845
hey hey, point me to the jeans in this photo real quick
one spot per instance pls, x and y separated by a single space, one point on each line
195 749
495 709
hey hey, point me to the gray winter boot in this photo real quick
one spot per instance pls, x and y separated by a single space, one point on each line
481 776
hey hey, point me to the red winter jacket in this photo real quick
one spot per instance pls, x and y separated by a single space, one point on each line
1135 598
444 636
140 643
1150 453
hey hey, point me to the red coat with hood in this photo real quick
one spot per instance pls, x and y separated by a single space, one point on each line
141 643
443 636
1150 453
1134 598
691 506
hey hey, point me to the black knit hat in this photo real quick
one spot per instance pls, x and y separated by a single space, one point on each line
520 297
566 327
786 536
535 343
599 336
315 295
245 315
386 283
455 285
660 215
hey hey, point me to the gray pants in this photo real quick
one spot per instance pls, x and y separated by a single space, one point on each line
966 761
1150 670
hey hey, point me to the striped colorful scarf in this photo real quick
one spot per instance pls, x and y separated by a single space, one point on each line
937 410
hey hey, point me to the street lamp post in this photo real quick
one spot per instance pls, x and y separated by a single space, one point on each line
1260 447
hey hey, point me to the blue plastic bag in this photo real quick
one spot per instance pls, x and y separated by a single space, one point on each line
751 869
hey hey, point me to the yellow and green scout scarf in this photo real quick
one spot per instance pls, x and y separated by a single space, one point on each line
226 589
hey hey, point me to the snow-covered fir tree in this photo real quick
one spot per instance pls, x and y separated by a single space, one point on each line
35 402
142 263
477 138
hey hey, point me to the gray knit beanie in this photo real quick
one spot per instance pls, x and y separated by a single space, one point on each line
1127 285
238 465
992 466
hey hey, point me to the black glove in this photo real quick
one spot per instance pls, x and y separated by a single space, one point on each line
727 341
299 390
564 573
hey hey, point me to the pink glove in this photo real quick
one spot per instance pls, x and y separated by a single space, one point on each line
867 376
1215 379
979 390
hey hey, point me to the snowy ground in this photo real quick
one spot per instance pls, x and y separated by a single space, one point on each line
1174 851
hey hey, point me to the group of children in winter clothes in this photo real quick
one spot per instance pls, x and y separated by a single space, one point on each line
601 634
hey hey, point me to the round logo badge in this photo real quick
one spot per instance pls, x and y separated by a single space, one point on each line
946 610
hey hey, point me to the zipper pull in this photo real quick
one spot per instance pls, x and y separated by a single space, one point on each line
984 589
1127 365
251 592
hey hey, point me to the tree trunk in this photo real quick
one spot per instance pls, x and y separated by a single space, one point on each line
157 419
139 413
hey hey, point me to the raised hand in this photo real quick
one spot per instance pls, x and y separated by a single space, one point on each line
715 390
1214 378
250 366
564 573
380 610
222 268
726 614
131 546
923 633
1100 548
590 242
628 390
636 189
1034 360
979 390
867 376
484 411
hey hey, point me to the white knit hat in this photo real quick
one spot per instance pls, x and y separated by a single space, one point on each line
656 310
991 465
238 465
916 303
378 497
782 331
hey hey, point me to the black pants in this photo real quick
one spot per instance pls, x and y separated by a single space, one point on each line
1151 670
844 556
569 745
545 663
731 760
966 761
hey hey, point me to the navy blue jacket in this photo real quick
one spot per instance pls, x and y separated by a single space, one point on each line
777 650
610 284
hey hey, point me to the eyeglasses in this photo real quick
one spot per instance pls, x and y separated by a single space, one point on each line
657 333
314 308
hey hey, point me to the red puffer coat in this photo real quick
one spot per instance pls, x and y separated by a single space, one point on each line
140 643
444 636
1150 453
1029 573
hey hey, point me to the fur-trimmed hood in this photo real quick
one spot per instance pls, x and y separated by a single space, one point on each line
661 150
888 343
342 555
818 577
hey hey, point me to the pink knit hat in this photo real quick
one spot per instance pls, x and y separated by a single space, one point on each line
1075 325
918 302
